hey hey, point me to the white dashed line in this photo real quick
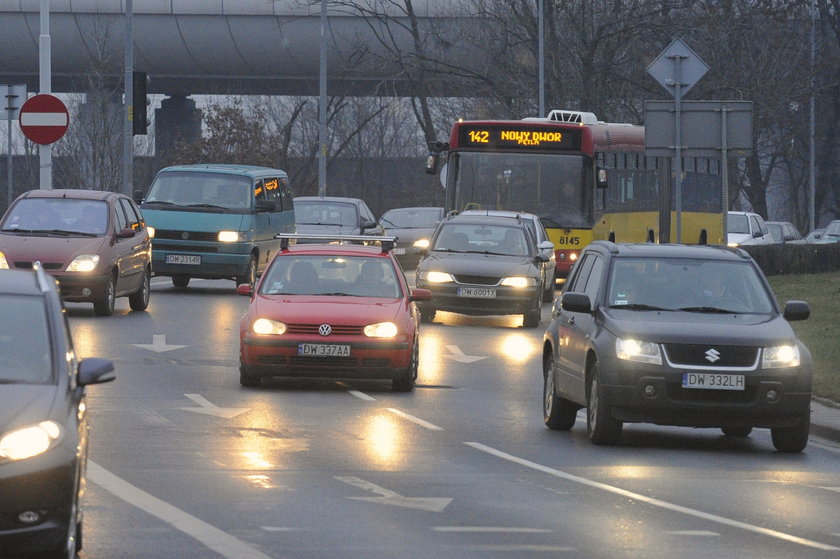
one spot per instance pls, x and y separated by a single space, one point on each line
417 420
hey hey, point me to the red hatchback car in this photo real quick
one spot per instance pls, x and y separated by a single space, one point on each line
94 242
331 311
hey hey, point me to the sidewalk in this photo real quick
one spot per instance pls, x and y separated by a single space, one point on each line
825 419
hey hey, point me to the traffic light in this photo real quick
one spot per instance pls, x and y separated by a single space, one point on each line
139 118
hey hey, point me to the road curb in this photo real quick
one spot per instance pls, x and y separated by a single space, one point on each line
825 418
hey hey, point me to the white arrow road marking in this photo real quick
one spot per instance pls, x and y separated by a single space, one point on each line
388 497
211 537
459 355
211 409
158 344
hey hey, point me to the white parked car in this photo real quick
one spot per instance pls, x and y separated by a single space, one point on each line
747 228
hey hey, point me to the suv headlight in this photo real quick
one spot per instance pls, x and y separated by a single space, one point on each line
519 281
780 356
84 263
634 350
29 441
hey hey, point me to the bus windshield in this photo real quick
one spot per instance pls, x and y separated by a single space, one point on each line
550 186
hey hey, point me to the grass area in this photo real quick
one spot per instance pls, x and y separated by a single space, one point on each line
821 332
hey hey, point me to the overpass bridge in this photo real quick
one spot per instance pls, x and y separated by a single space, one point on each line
238 47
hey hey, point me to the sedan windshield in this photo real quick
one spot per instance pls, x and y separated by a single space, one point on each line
682 284
409 218
332 275
326 213
485 239
25 355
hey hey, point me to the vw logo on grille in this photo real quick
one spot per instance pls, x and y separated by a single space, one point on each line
185 235
712 355
324 329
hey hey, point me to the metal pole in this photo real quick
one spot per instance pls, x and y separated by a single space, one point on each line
812 214
322 107
724 159
45 76
678 141
128 94
541 55
9 151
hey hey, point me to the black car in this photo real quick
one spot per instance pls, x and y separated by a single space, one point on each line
483 265
334 215
675 335
413 227
43 423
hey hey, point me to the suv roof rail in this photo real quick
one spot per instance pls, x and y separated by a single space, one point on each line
387 243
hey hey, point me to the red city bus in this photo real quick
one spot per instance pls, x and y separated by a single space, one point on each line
586 179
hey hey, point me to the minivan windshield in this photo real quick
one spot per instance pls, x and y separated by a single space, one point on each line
200 190
68 216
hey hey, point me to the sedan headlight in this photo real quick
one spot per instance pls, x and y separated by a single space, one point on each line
151 231
634 350
4 265
231 237
381 330
84 263
780 356
29 441
421 243
268 326
519 281
436 277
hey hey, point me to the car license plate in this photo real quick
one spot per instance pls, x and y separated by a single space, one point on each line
482 292
324 350
183 259
713 381
399 250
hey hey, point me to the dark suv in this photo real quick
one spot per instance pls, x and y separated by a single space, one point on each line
675 335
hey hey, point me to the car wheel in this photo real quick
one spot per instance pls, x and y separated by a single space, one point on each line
792 439
248 378
180 281
139 300
405 383
736 431
531 319
558 413
427 314
105 305
250 276
601 428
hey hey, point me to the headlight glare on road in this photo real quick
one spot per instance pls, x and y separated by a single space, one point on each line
84 263
781 356
29 441
634 350
519 282
268 326
381 330
437 277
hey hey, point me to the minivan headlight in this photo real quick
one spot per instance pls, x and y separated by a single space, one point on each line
231 237
84 263
634 350
780 356
29 441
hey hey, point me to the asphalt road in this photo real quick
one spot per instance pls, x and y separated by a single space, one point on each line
186 463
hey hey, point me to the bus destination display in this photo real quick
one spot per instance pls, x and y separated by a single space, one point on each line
518 137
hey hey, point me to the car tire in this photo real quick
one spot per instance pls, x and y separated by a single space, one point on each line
180 281
736 431
250 276
792 439
105 305
531 319
139 300
405 382
558 413
247 378
601 428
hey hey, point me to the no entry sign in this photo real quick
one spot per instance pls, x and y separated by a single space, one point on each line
44 119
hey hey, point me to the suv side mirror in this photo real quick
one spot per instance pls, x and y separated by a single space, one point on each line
368 224
576 302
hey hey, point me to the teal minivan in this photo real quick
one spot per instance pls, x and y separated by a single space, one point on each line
217 221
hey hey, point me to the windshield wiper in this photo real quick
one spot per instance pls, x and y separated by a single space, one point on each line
162 202
639 307
203 205
707 309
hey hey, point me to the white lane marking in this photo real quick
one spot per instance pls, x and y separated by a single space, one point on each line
651 501
209 408
835 489
282 529
362 396
460 356
158 344
509 548
692 533
834 449
491 529
417 420
213 538
388 497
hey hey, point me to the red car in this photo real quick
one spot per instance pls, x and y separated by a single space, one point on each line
334 311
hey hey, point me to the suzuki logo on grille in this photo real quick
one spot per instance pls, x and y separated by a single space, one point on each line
324 329
185 235
712 355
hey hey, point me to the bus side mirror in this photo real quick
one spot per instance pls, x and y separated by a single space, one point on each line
601 177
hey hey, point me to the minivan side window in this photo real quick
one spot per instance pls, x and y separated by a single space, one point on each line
122 220
273 191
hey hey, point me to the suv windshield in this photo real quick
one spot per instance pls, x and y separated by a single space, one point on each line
687 284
